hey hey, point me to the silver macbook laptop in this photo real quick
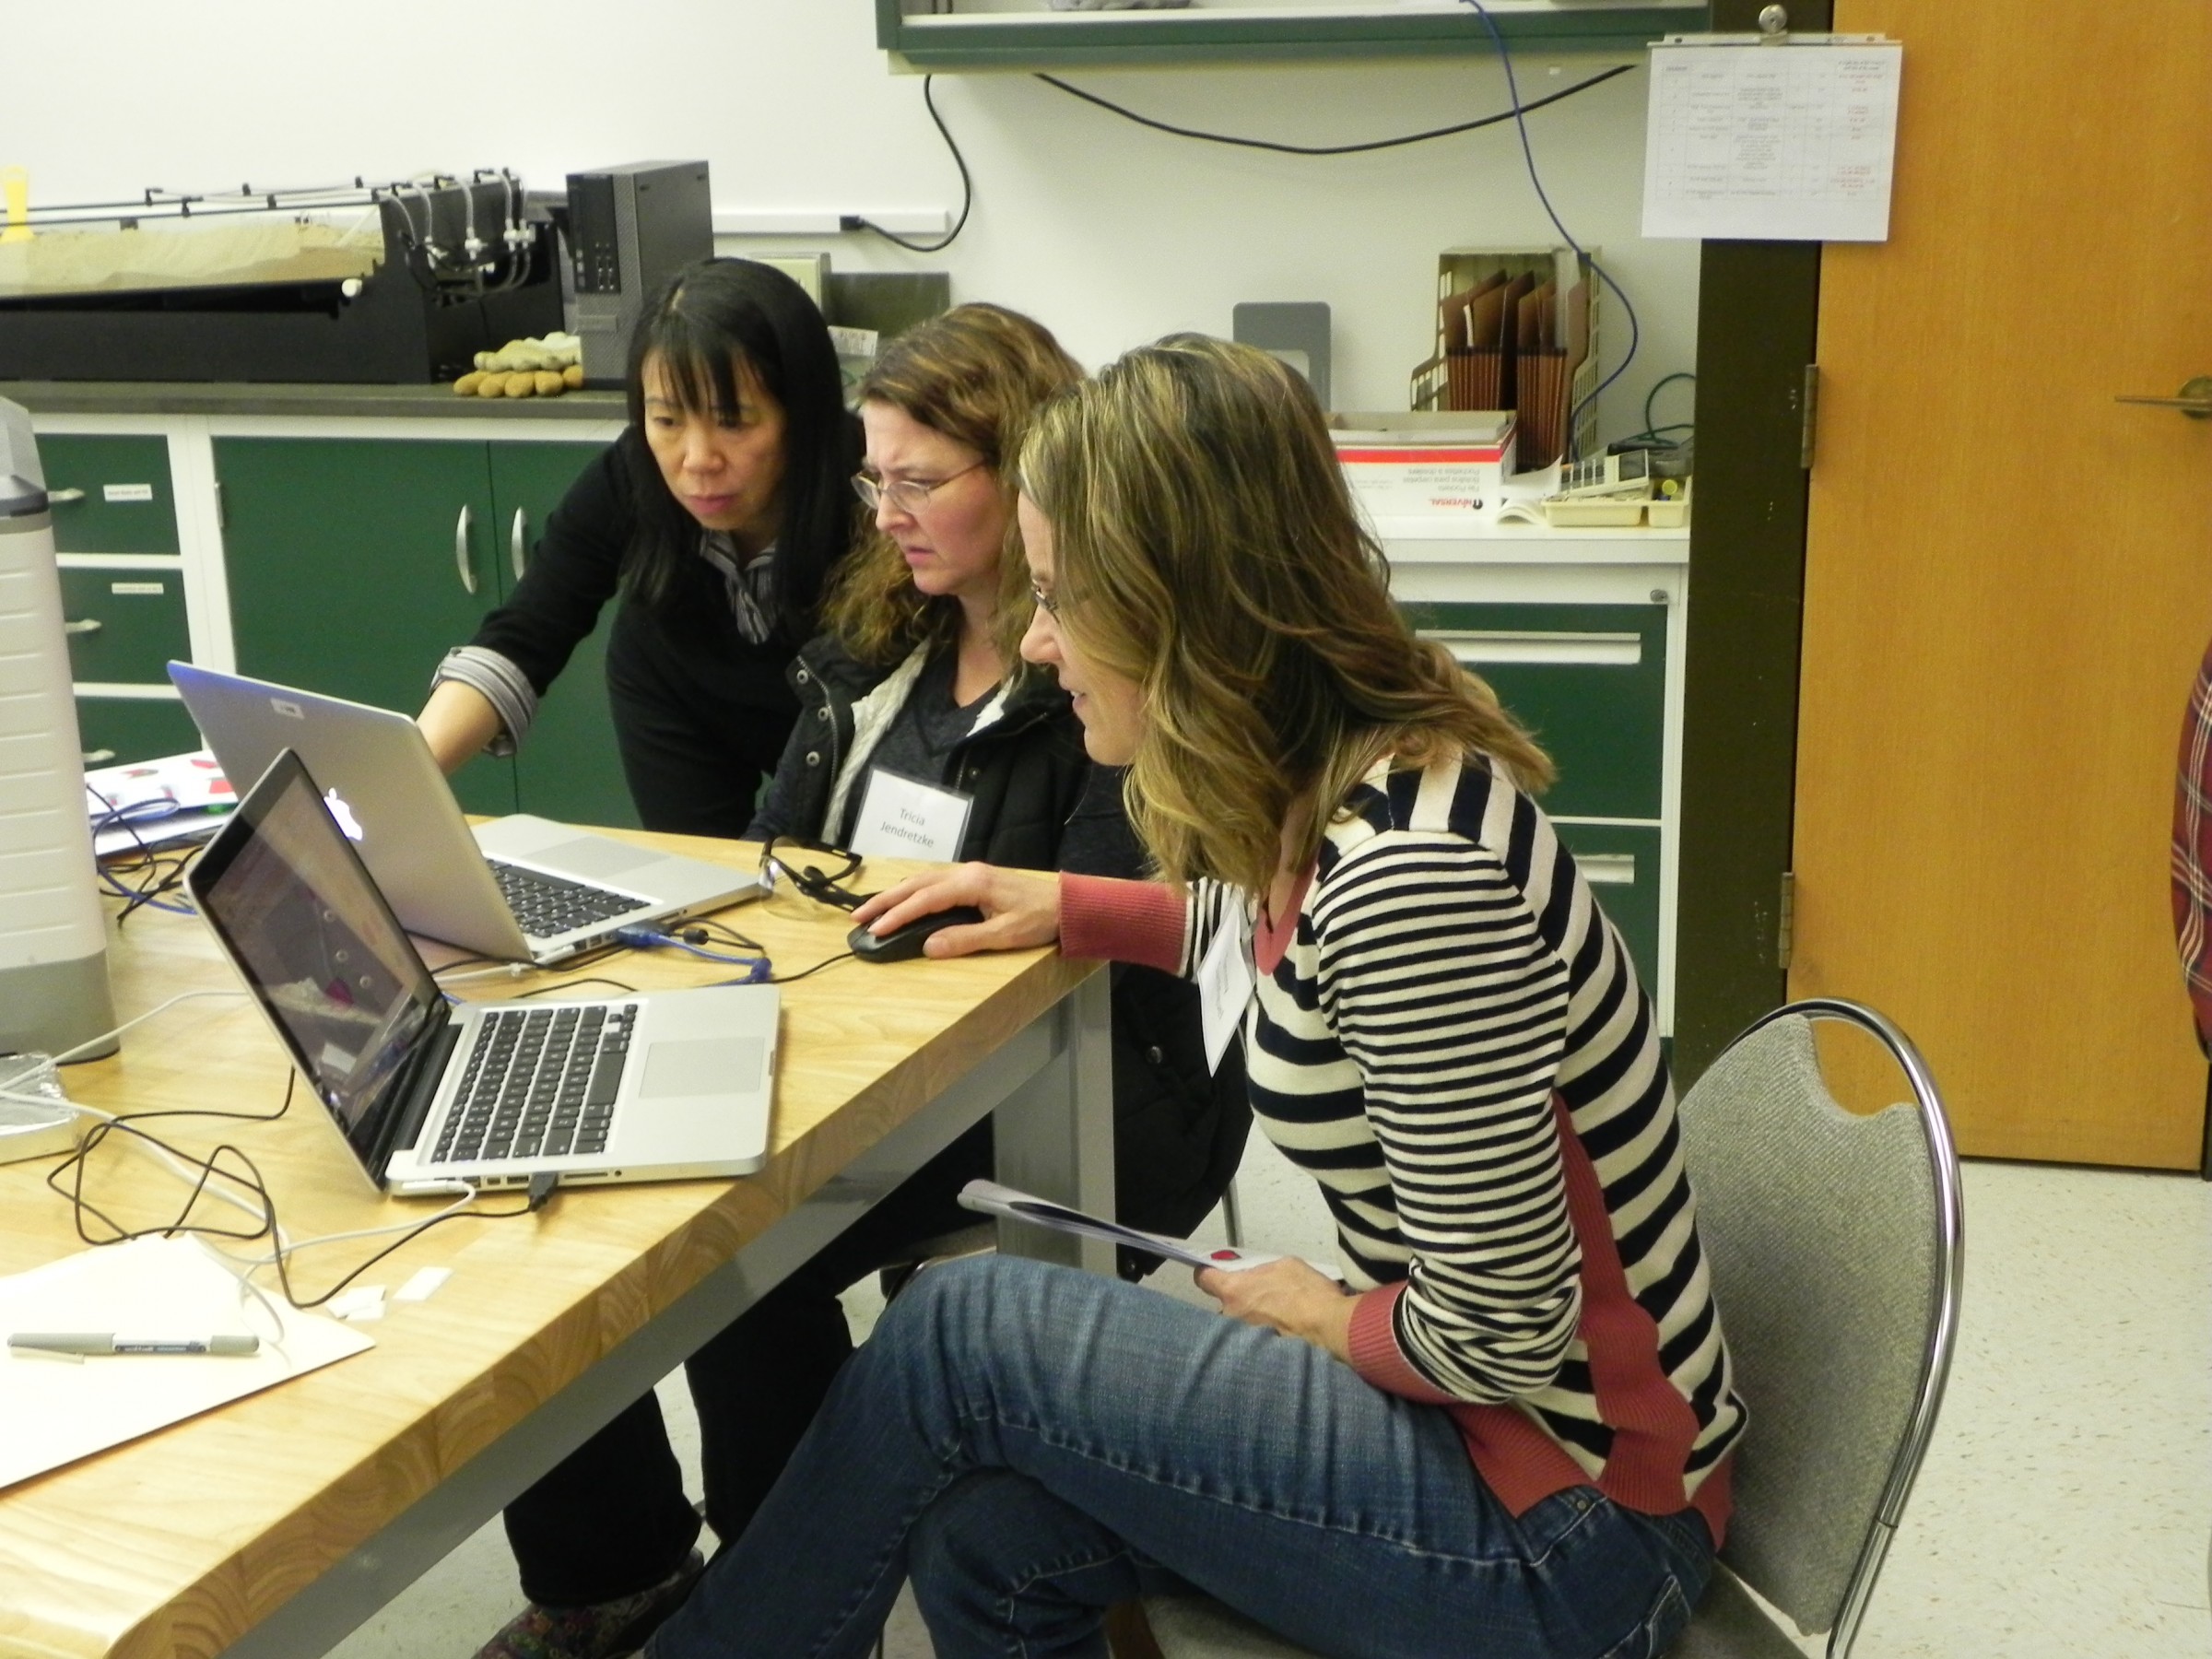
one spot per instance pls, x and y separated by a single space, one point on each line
647 1088
519 888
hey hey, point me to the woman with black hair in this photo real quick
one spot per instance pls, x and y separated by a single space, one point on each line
718 512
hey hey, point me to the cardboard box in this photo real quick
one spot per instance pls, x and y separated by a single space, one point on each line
1426 463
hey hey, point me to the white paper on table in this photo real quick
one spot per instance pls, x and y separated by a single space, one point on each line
189 781
54 1412
1788 141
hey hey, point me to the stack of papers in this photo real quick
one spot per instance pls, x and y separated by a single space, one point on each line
152 803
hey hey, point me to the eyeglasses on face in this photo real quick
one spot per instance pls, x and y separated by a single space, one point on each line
1047 603
787 867
908 495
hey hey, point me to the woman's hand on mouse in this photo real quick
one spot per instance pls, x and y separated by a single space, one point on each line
1022 908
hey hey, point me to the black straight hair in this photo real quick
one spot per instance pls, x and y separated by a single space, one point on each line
705 321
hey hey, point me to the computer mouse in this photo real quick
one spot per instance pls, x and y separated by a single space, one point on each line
906 942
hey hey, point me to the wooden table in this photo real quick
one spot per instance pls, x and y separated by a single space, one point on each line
276 1524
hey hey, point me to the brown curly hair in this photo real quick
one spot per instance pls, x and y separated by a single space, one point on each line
977 374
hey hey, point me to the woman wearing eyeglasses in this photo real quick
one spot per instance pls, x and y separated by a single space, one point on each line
916 696
1508 1430
719 513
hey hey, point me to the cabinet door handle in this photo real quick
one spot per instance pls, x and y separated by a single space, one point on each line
88 625
460 560
61 498
99 756
1475 646
518 543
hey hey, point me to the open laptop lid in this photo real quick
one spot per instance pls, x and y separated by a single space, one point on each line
293 908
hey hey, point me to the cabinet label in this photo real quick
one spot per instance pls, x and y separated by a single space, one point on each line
126 492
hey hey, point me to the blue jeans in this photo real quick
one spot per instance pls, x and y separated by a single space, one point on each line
1030 1444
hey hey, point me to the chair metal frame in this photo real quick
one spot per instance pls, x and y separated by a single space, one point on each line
1951 1242
1942 1337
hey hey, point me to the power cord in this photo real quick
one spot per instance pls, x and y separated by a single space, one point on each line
853 221
1528 153
1332 149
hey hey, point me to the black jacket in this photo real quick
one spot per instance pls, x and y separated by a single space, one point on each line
575 570
1040 804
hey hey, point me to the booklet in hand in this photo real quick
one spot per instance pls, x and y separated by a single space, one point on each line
994 1200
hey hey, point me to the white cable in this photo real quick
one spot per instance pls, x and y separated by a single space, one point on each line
505 970
291 1248
92 1042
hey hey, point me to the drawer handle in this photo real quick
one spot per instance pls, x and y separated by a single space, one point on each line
63 498
461 562
99 756
84 625
518 543
1474 646
1611 869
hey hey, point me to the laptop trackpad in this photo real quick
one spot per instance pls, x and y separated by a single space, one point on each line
699 1066
596 855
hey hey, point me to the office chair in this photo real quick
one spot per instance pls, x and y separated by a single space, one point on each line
1834 1241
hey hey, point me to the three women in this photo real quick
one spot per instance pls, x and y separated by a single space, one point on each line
1510 1426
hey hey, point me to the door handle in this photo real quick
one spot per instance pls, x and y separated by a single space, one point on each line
61 498
99 756
518 543
460 560
88 625
2195 399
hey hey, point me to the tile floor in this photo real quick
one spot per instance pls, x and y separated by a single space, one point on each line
2065 1506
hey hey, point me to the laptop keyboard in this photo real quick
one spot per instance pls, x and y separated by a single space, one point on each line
540 1083
548 906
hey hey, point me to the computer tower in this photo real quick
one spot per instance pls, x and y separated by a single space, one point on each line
629 227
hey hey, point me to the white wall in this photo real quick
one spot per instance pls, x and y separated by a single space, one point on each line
1110 233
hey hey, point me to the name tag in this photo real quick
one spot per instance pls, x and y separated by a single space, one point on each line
1225 986
903 817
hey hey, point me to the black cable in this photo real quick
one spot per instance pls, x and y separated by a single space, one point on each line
854 222
571 984
785 978
712 932
1328 149
250 1178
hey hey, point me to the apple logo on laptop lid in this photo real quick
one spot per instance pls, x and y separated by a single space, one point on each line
343 815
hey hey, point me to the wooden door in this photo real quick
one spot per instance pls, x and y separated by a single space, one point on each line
2008 578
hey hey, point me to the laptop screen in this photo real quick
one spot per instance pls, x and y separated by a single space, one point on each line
297 913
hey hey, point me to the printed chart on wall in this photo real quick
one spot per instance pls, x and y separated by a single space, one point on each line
1776 139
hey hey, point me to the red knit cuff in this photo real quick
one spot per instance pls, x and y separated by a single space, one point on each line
1375 1353
1105 920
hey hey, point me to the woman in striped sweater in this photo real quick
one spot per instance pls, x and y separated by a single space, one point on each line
1507 1431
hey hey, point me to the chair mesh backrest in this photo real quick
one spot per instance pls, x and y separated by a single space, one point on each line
1820 1229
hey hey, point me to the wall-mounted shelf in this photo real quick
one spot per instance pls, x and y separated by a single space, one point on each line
1031 37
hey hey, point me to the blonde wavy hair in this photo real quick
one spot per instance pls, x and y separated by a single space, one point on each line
977 374
1206 547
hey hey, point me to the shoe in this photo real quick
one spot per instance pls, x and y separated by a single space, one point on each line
601 1631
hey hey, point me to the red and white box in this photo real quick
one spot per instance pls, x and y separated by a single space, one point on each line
1423 463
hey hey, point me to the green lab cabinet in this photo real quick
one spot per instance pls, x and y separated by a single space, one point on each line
354 564
124 624
1588 680
114 731
111 494
1620 862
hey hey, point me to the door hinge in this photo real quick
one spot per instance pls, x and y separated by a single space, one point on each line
1812 416
222 515
1785 924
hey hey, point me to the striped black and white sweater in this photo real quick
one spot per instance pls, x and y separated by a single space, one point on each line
1449 1037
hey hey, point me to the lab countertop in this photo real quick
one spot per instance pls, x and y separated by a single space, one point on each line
227 397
